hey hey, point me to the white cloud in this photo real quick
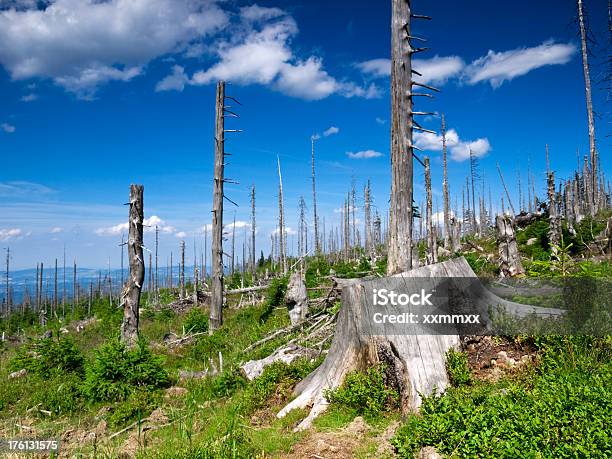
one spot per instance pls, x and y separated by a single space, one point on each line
381 121
459 149
29 97
7 234
497 67
175 81
181 234
262 55
113 230
376 68
8 128
366 154
56 230
437 70
331 131
81 44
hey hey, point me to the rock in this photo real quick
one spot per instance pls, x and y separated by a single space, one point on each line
296 298
18 374
175 391
429 452
532 241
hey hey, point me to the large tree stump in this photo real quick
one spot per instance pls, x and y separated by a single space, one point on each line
415 362
509 259
296 298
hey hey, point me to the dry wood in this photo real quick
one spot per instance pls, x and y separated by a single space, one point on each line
130 297
296 298
509 259
400 218
287 354
216 302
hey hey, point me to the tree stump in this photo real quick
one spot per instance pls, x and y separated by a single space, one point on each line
296 298
509 259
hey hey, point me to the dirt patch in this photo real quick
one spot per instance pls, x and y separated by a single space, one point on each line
491 357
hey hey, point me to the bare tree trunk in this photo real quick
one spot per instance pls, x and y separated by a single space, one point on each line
75 288
281 222
400 223
432 245
182 272
501 176
314 201
233 259
253 229
589 105
554 232
130 298
55 299
8 282
447 228
368 221
509 259
156 277
216 305
64 285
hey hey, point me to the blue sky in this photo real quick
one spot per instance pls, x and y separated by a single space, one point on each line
98 95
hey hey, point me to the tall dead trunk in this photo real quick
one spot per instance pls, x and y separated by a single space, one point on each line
368 220
554 231
75 287
253 229
8 282
501 176
400 221
314 201
509 259
447 228
589 104
182 272
130 298
432 242
216 302
233 259
281 222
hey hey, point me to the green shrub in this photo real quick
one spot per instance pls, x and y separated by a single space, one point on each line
479 264
196 321
538 230
366 392
60 394
457 368
116 372
138 405
275 295
562 410
49 356
317 267
227 383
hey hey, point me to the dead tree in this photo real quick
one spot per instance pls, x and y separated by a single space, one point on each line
75 287
368 220
473 177
302 228
130 297
253 229
554 231
233 259
432 243
314 200
216 304
281 222
55 299
8 282
501 176
509 259
447 228
156 276
182 272
400 221
64 284
589 105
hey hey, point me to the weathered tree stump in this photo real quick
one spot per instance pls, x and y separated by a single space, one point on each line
509 259
296 298
288 354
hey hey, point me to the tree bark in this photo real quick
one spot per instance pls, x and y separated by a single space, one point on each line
400 221
314 201
281 222
216 302
130 298
296 298
509 259
432 240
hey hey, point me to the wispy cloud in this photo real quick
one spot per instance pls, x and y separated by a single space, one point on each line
56 230
23 189
150 224
494 67
365 154
331 131
29 97
8 128
497 67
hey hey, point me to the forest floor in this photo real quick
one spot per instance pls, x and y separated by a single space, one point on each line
511 396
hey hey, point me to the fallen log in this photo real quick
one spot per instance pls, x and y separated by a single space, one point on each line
414 361
246 290
288 354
